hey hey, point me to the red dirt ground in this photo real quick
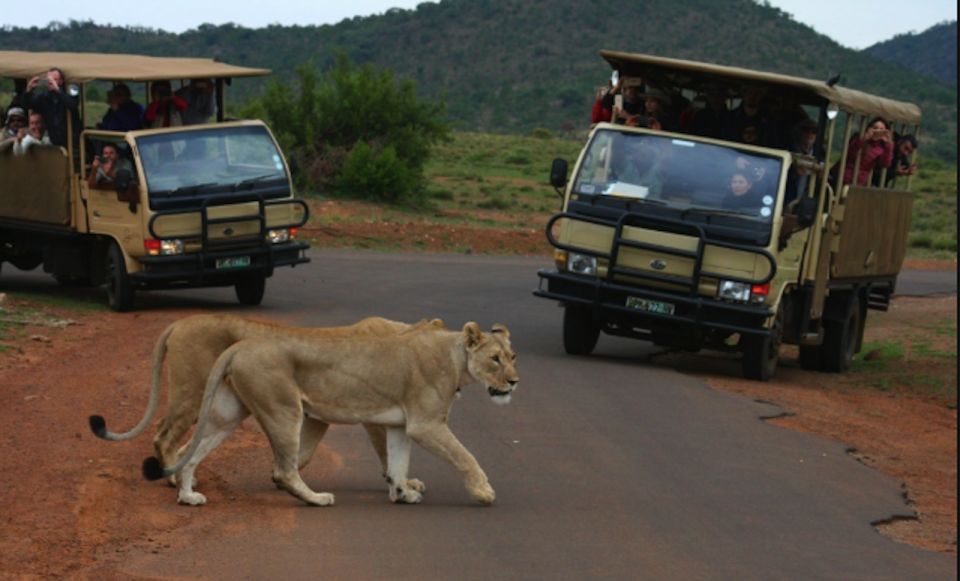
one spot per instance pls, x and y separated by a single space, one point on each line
63 511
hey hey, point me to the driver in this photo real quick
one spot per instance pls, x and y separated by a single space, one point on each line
105 166
638 162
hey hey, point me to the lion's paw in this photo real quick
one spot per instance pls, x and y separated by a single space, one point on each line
321 499
191 498
417 484
483 494
402 495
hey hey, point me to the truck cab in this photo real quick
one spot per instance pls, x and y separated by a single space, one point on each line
199 205
694 240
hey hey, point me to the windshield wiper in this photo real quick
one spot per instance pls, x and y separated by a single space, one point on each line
719 212
191 189
255 179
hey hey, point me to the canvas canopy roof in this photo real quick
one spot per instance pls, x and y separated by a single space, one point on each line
81 67
630 64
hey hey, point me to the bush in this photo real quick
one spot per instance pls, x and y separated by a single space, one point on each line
541 133
379 176
353 119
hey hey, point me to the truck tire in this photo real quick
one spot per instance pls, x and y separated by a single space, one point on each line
120 292
840 340
250 290
810 357
580 331
762 352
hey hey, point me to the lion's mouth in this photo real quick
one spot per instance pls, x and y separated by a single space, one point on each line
494 392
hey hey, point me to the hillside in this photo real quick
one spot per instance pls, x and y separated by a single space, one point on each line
932 52
511 65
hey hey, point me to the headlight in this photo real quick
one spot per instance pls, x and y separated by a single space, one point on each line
743 292
168 247
733 291
171 247
278 236
582 264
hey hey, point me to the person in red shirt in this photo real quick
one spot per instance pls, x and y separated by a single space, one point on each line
165 108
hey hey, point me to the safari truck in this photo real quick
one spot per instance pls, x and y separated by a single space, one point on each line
201 205
656 251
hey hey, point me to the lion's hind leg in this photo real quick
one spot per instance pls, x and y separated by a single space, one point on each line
284 432
225 415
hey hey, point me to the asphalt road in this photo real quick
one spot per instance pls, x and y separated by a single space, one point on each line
604 467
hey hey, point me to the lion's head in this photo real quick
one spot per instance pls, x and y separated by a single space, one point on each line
491 360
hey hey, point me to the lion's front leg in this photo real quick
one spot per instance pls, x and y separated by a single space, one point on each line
398 462
378 439
438 439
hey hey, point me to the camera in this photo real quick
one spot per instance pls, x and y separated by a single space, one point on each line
43 82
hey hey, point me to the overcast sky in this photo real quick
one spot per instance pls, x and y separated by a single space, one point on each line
852 23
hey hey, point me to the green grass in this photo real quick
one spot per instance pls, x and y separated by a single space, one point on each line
933 233
887 351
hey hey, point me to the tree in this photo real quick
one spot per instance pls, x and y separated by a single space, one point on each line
355 130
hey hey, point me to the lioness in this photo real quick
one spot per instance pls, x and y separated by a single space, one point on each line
405 382
192 345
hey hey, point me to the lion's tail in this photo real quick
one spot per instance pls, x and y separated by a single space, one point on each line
153 468
98 425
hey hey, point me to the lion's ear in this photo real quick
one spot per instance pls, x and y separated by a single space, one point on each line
473 334
501 329
438 323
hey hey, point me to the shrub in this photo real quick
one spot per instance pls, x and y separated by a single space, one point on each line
351 119
541 133
379 176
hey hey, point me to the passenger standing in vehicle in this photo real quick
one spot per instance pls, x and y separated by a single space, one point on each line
748 114
124 113
875 150
165 108
47 96
35 134
711 121
655 111
201 104
901 166
16 120
805 137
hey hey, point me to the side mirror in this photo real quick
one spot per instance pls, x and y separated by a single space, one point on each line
558 173
126 188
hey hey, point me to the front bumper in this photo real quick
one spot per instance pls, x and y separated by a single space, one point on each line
692 314
200 269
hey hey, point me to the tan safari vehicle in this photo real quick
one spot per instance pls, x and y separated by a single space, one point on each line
201 205
649 246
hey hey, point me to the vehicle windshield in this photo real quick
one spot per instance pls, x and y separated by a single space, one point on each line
694 181
217 159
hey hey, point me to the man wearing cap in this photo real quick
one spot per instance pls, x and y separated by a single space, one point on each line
655 111
124 113
16 120
201 102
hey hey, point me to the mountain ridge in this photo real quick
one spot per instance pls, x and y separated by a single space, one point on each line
511 65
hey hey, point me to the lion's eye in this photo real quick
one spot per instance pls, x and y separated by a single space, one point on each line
496 359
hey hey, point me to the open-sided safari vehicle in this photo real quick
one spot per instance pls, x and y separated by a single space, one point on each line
656 251
207 204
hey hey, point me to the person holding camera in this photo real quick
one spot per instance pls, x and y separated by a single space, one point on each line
47 95
103 170
165 108
874 149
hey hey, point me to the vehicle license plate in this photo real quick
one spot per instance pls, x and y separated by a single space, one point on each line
233 262
656 307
